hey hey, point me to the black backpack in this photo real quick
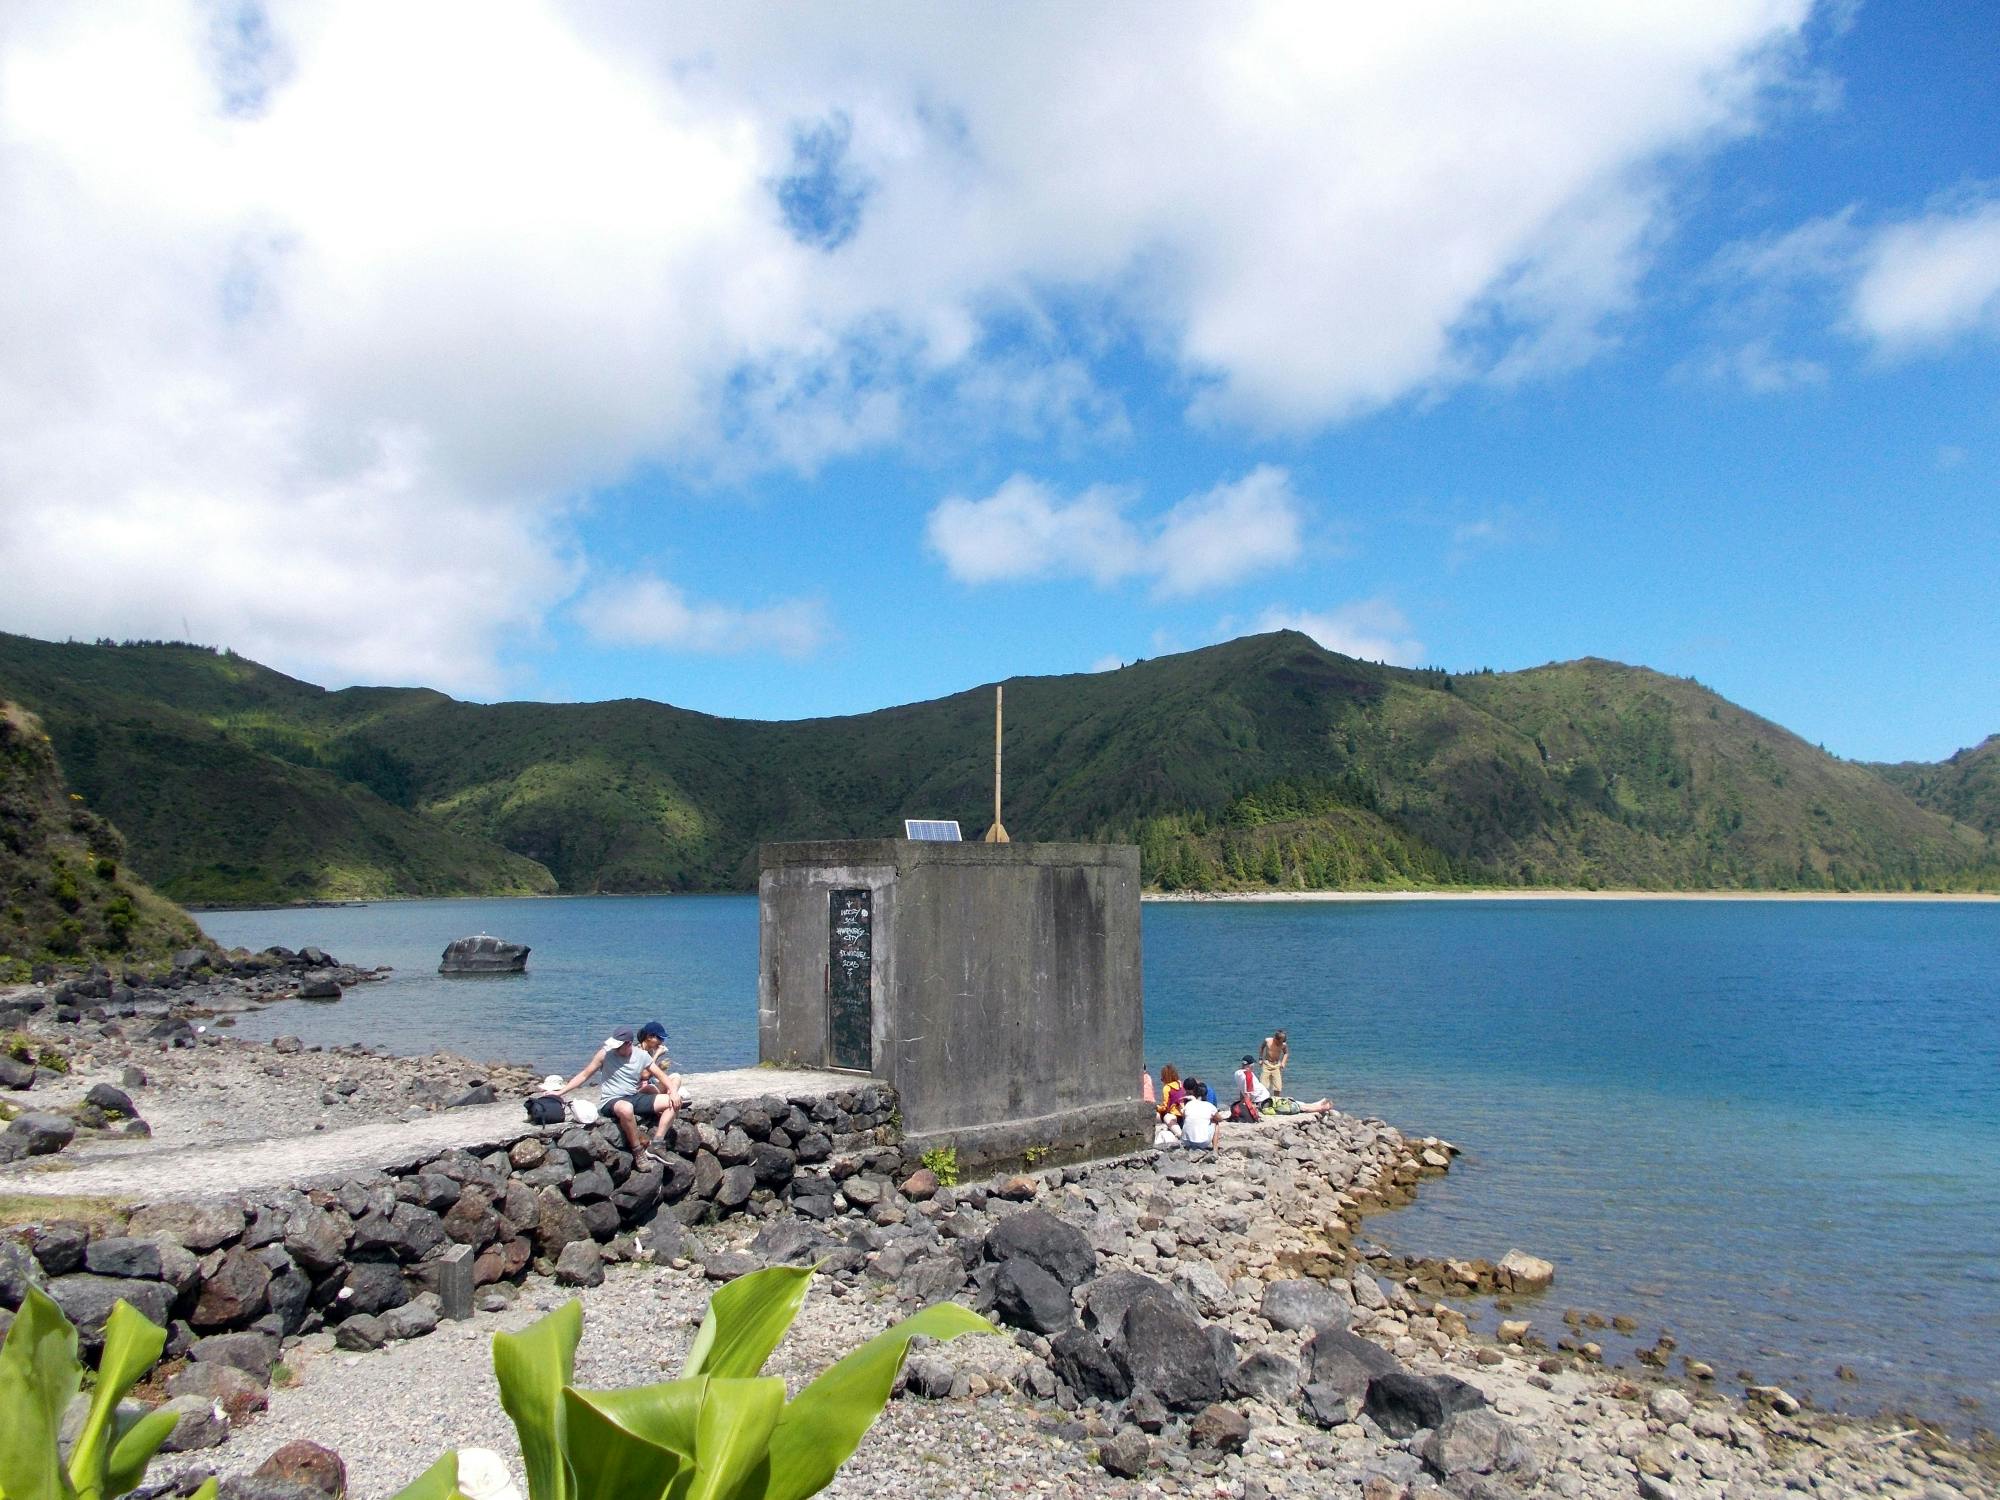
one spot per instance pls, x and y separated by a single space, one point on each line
546 1109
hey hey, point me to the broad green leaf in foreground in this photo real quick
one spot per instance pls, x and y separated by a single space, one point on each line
820 1428
533 1366
612 1461
733 1435
132 1345
663 1414
744 1322
38 1375
134 1442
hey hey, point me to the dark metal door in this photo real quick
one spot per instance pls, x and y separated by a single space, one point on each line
850 980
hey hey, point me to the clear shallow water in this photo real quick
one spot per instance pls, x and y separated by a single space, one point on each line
1773 1128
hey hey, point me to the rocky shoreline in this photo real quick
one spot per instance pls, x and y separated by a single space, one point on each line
1173 1323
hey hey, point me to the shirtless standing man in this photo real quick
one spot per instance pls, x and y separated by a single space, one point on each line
1273 1056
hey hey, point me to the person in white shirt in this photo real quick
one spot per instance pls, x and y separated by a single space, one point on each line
1198 1120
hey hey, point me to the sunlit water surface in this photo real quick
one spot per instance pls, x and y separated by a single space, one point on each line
1772 1128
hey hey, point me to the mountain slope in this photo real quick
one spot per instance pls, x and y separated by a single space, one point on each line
1965 787
1262 761
64 896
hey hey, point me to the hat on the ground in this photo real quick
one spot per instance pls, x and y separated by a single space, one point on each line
620 1036
553 1083
653 1028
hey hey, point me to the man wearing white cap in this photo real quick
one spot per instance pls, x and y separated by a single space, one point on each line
625 1066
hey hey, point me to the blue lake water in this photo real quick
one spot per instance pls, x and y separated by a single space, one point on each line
1772 1128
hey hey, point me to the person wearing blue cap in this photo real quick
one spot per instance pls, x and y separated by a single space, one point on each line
628 1062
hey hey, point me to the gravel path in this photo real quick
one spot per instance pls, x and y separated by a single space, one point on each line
139 1171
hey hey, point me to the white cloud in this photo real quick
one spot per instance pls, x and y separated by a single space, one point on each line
1371 629
1208 541
1110 662
1929 280
1762 370
357 282
646 610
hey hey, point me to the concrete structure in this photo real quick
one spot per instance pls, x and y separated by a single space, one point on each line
995 987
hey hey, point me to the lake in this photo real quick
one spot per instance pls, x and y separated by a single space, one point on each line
1771 1128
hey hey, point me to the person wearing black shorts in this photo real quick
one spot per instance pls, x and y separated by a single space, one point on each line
626 1064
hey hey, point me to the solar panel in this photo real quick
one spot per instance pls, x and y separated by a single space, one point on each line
932 830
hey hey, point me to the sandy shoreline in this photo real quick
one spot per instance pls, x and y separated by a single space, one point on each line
1516 894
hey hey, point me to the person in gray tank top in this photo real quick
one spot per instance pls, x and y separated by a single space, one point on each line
636 1084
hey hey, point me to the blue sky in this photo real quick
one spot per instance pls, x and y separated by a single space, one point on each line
781 370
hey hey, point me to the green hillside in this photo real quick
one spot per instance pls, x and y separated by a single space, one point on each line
1265 761
65 896
1965 787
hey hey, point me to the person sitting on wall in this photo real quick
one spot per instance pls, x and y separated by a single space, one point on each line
625 1065
1172 1094
1146 1088
1198 1119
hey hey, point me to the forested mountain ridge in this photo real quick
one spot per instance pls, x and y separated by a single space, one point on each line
1966 786
1265 761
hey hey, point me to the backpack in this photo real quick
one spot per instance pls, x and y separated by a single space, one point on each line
546 1109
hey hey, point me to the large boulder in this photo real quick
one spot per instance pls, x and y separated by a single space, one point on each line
1403 1404
251 1352
318 984
36 1133
1059 1248
1026 1296
1522 1272
1264 1375
1080 1358
1478 1441
1167 1351
120 1255
1106 1299
1302 1304
234 1292
483 955
308 1464
373 1286
1346 1362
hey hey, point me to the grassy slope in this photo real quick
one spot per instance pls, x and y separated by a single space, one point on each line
1965 787
64 894
1263 761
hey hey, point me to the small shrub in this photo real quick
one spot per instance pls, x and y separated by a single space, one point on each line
66 937
943 1162
103 868
63 889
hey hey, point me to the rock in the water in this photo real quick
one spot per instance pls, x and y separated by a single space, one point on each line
308 1464
1474 1442
1521 1272
1126 1453
1220 1427
1301 1304
1027 1296
318 985
580 1264
1059 1248
483 955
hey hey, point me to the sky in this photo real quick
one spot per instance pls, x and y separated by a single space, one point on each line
798 360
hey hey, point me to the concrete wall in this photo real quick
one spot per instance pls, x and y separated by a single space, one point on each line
1008 1001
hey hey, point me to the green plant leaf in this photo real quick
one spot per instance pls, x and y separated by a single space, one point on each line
744 1322
611 1461
207 1490
132 1345
821 1427
663 1414
733 1437
134 1441
533 1366
438 1482
38 1375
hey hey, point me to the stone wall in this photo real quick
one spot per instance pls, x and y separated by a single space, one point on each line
385 1254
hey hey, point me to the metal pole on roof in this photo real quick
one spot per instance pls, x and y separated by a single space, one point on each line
997 834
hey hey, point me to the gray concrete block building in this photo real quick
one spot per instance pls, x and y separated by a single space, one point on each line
997 987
